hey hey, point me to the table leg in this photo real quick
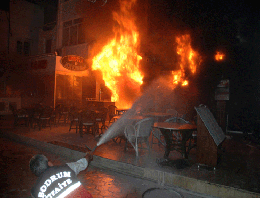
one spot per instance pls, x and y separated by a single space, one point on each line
168 141
186 135
81 129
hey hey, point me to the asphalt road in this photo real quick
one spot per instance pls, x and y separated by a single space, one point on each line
17 180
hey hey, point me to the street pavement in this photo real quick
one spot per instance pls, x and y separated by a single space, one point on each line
17 179
237 174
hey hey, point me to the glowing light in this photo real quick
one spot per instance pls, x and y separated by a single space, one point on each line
119 60
189 59
219 56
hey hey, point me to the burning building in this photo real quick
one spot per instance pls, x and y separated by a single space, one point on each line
123 54
110 51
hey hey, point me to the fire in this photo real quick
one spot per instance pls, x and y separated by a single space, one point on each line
219 56
119 60
189 59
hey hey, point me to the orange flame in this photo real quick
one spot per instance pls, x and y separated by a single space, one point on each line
189 59
219 56
118 60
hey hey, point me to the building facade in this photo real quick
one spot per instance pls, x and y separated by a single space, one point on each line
20 26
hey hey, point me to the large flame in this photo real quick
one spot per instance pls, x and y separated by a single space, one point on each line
118 60
189 59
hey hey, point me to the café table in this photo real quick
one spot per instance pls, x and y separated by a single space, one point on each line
158 116
185 129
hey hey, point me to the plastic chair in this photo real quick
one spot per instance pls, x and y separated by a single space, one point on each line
173 112
139 133
177 135
159 136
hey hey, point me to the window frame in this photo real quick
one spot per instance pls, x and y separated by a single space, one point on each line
71 29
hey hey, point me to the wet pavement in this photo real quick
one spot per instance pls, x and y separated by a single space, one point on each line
17 179
238 170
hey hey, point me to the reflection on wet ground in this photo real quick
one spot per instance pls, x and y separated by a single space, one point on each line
238 166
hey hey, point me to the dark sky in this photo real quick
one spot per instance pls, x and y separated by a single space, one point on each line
229 26
4 5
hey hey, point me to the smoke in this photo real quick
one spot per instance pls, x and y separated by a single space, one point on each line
159 96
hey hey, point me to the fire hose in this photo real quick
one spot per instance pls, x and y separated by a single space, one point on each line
92 150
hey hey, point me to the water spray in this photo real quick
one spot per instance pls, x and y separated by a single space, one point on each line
158 93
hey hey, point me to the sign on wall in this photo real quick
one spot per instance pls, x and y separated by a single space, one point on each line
74 63
222 90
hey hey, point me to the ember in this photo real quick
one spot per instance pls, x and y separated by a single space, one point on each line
219 56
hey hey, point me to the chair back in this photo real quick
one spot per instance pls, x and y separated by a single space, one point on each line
47 112
112 109
178 120
104 112
172 119
88 116
181 120
144 127
173 112
73 113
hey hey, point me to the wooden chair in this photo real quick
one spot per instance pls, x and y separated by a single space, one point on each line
111 112
87 123
62 113
101 118
74 119
44 118
20 116
139 133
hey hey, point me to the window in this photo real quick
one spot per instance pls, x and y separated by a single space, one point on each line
26 48
19 47
48 46
81 34
73 32
23 48
73 35
66 34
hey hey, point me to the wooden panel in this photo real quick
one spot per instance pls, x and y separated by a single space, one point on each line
207 150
